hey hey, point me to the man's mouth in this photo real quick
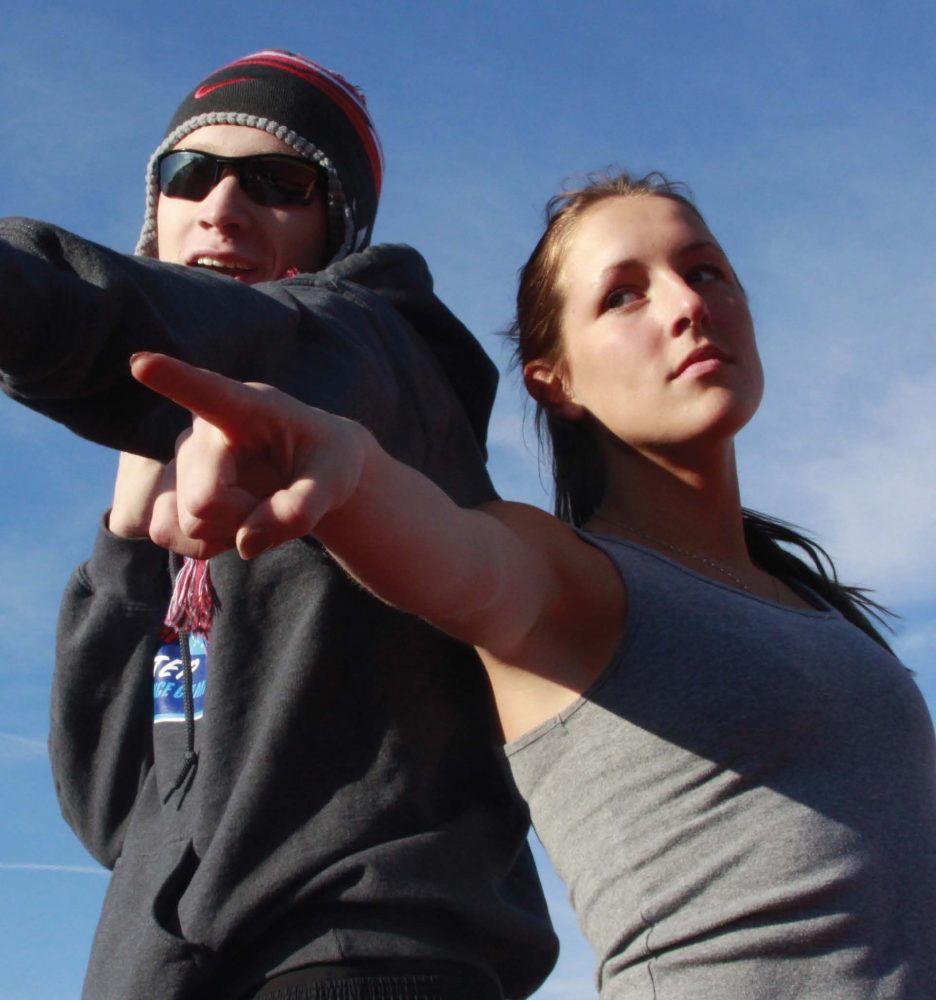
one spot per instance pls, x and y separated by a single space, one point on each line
232 268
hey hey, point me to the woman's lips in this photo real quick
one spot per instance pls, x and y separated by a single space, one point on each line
702 361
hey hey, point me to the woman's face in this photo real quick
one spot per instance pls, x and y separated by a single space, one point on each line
228 232
657 339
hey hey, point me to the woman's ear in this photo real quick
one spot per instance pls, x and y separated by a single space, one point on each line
546 383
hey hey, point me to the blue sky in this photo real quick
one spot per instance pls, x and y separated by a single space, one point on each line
806 133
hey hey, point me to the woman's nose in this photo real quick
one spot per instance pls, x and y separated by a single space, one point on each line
687 307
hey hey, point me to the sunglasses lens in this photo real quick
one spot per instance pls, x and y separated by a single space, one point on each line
267 179
186 174
279 180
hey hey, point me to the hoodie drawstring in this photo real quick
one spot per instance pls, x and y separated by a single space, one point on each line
190 610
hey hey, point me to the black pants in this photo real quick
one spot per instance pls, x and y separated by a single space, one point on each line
416 980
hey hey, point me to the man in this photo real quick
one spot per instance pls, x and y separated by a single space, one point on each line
296 786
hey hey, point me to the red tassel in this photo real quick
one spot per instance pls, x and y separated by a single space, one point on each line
193 598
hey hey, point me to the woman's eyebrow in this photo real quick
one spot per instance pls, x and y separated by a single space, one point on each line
627 262
618 265
700 245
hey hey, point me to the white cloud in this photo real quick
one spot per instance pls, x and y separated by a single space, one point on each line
513 450
32 578
880 491
510 426
915 648
868 489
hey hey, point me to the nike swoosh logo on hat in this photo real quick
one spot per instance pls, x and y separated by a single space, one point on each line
205 91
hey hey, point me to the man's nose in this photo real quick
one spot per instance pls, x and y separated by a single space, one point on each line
226 205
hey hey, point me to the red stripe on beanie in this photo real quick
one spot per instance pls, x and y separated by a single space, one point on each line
338 93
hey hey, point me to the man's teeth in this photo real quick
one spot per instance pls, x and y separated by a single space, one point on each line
214 262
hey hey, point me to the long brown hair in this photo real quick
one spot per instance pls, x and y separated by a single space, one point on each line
577 466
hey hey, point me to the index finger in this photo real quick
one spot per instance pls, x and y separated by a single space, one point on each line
221 401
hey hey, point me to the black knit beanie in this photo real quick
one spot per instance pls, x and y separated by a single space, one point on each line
314 110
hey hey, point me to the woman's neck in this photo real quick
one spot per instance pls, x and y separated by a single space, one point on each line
685 503
691 509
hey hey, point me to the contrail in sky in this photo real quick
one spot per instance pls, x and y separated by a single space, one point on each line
23 745
36 867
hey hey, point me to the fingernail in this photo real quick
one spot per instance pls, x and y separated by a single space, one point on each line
249 546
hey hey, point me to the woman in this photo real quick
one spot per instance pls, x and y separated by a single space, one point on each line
728 767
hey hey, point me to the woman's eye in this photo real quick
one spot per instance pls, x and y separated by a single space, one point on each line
620 297
703 273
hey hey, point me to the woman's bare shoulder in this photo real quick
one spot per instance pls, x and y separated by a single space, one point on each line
574 637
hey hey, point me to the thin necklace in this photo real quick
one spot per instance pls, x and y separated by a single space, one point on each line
704 560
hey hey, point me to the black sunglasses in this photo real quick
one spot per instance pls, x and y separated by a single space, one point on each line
266 178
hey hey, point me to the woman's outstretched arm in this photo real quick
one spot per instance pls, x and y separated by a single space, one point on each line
259 468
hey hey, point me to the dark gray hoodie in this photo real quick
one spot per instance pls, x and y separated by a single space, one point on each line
348 801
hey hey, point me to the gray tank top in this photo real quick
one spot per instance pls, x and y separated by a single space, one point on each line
744 804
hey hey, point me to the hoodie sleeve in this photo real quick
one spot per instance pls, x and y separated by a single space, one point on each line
100 742
366 338
74 312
